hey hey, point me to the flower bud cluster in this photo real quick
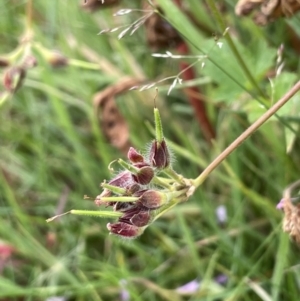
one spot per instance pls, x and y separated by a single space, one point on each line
139 194
132 193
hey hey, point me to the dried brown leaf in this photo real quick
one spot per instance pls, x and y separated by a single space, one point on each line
267 10
160 34
112 122
291 221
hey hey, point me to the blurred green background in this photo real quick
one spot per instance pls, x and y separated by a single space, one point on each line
53 151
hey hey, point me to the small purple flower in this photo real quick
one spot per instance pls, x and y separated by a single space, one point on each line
124 293
280 205
221 213
189 288
221 279
193 286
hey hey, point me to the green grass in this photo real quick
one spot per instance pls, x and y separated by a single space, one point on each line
53 152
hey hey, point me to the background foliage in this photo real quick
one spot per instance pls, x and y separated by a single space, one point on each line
52 152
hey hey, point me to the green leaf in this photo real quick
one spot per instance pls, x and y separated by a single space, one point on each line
258 57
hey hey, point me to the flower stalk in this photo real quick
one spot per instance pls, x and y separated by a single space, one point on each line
105 214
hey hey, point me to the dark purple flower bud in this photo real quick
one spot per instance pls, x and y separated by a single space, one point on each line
153 199
144 175
134 156
123 180
124 206
125 230
13 78
133 189
138 216
141 219
159 154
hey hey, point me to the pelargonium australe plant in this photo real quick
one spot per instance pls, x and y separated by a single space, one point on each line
148 186
145 188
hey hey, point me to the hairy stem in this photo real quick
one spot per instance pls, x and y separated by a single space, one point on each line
217 161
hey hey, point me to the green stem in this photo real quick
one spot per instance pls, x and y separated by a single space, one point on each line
114 189
159 135
83 64
29 11
96 213
268 114
173 202
174 175
160 182
128 166
88 212
123 199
